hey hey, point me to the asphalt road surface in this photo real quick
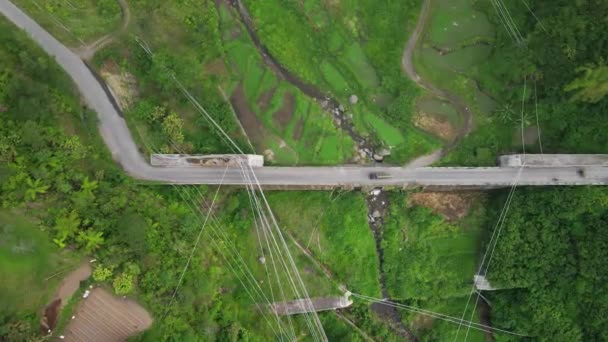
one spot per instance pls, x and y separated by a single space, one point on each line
119 141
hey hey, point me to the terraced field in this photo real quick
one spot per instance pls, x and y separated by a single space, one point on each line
104 317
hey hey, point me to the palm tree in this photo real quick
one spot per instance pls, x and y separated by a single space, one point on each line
34 188
87 187
90 239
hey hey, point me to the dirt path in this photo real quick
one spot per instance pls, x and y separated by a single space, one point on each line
453 99
69 285
331 105
87 52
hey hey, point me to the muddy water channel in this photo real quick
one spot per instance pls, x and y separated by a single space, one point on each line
331 105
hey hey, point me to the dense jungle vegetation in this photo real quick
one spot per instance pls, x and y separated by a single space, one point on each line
550 254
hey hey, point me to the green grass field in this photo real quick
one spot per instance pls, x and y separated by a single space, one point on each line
28 261
455 22
74 21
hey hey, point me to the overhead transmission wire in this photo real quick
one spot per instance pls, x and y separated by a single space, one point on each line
493 241
276 272
519 38
250 282
499 225
444 317
234 251
229 262
198 237
540 142
146 48
535 17
509 200
57 22
306 298
507 21
260 225
523 104
181 193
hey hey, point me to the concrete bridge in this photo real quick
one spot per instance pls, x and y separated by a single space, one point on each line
119 141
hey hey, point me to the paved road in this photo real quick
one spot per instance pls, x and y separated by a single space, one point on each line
118 139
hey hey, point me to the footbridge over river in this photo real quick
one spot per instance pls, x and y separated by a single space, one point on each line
119 142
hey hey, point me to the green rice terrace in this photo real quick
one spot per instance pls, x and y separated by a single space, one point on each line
304 83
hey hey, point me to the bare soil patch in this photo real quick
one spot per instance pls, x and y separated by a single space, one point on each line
530 135
122 84
285 113
51 312
250 122
382 100
216 67
422 322
451 205
105 317
69 285
264 100
298 130
434 125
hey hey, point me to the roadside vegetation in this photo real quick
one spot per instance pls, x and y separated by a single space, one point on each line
184 40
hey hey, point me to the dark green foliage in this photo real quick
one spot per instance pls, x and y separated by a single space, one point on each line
551 252
574 39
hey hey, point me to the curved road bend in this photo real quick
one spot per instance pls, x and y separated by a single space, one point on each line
117 137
